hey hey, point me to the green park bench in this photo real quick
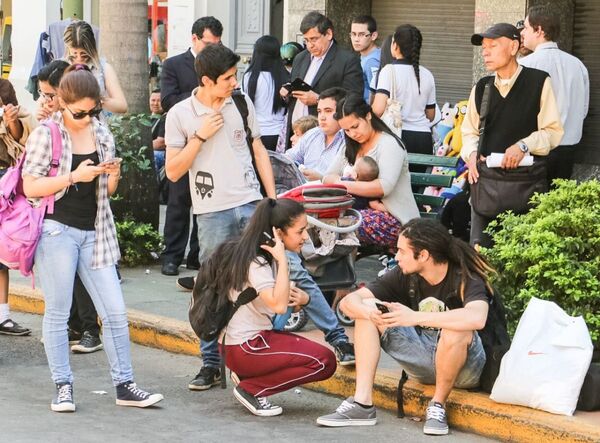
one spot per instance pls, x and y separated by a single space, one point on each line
420 180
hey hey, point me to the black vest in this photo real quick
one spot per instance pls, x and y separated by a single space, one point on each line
513 117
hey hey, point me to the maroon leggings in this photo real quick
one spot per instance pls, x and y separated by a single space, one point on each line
275 361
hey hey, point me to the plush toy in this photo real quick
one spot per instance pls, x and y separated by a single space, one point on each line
453 139
444 126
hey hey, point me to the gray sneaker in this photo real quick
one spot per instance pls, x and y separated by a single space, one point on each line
435 419
349 414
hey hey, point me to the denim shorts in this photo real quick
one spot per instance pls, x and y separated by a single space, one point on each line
416 355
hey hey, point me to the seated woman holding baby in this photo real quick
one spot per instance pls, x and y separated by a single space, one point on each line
392 203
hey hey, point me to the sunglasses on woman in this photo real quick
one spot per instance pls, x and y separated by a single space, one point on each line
95 112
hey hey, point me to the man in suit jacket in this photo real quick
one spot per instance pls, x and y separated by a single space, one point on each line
322 65
178 80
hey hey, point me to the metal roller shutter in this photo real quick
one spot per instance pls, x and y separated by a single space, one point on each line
586 46
447 28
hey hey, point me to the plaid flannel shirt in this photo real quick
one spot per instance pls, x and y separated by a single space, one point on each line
37 164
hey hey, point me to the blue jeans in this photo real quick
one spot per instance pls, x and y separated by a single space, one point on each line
62 252
318 309
215 228
416 354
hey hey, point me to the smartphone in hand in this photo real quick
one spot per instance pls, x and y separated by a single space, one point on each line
112 161
382 308
268 240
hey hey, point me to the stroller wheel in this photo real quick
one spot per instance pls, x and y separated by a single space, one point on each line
344 320
296 321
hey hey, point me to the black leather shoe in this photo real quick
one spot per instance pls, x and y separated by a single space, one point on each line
169 269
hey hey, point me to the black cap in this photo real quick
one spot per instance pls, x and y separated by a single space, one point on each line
498 30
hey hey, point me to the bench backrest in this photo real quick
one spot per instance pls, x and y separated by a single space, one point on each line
420 180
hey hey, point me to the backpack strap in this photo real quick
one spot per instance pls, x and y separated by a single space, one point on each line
56 153
242 107
245 297
400 395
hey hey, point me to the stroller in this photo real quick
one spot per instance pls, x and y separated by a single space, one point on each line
328 256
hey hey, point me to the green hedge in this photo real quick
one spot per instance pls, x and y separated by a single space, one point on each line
552 253
140 243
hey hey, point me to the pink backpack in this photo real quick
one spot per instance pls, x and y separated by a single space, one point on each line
20 223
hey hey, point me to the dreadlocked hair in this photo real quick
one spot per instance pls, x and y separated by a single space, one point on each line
408 38
432 236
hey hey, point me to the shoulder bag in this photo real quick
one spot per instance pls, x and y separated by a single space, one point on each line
498 190
392 116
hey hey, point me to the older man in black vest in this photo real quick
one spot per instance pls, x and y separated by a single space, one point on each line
522 117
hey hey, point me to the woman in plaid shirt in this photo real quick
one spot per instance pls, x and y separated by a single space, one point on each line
80 235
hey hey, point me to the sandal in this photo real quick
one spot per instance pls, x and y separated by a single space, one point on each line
10 327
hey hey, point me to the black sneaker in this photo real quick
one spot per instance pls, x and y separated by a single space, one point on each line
10 327
74 336
257 405
88 343
128 394
205 379
344 353
63 401
186 283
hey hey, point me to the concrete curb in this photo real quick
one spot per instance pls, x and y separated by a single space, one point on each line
470 411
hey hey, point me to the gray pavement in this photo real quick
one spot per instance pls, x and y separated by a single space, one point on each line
214 415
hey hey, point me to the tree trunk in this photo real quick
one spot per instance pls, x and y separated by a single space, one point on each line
124 43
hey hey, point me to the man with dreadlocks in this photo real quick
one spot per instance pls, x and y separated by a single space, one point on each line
435 301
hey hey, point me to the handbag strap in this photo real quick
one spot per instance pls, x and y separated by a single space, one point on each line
56 153
483 112
393 85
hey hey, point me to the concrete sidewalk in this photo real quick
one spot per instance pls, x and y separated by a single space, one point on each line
158 318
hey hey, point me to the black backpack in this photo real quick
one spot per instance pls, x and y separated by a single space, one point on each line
211 310
494 336
495 340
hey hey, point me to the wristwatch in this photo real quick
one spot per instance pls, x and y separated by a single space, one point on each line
195 135
522 146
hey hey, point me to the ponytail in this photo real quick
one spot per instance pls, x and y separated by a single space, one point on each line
227 267
408 38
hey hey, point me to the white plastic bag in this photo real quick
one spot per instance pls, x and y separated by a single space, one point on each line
547 361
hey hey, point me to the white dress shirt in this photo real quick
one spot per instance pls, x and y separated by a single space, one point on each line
571 85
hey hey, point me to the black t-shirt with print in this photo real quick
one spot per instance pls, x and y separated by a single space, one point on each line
393 286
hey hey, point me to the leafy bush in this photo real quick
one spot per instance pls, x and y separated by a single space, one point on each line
552 253
127 131
140 243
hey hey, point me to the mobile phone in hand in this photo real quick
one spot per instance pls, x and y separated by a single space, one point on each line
268 240
112 161
287 86
382 308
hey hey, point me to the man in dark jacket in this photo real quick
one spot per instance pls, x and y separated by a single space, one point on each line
322 65
178 80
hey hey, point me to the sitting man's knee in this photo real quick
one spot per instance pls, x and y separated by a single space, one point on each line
450 337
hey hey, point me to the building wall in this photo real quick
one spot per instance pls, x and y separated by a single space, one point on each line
30 19
294 11
488 12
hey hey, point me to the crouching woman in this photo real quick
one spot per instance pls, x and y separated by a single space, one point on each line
266 361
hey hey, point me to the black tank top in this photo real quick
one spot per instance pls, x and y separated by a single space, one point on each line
77 208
